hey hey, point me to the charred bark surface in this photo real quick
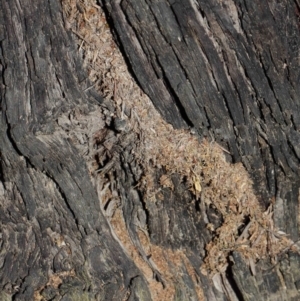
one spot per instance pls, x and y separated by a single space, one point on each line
55 242
229 69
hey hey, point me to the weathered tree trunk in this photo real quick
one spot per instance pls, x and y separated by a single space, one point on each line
54 238
228 69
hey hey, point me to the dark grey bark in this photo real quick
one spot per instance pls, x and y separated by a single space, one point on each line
231 76
229 69
46 192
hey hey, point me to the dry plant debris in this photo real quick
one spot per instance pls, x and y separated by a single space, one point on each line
55 280
212 180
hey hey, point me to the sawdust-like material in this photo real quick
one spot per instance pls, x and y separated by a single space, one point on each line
159 256
158 292
55 280
214 181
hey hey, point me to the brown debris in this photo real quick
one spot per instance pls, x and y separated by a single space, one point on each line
212 180
55 280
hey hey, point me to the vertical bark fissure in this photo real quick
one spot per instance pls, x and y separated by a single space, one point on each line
47 189
258 104
51 206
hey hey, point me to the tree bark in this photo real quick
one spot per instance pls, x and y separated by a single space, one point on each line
54 238
230 70
227 69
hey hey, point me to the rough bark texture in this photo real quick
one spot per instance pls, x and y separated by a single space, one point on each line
229 69
54 237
